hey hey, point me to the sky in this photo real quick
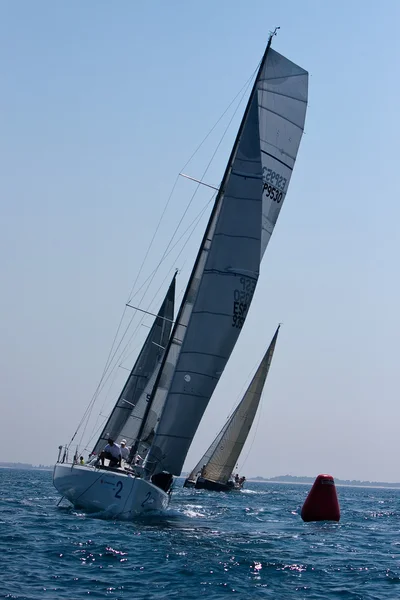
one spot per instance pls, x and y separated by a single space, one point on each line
102 105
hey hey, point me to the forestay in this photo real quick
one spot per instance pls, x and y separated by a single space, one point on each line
131 404
222 456
226 271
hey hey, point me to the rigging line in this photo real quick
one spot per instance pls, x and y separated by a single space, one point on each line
88 447
245 86
186 209
147 312
114 372
100 414
109 361
244 90
121 357
124 358
194 224
96 428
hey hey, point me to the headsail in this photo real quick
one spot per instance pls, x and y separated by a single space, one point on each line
136 426
222 456
226 270
131 402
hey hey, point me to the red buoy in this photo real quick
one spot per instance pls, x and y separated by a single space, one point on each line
321 503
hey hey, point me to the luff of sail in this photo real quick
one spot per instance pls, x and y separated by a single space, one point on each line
222 456
131 400
221 285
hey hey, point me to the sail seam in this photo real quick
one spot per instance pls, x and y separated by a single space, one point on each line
278 159
179 437
192 395
245 175
250 160
197 373
203 353
278 149
280 94
231 272
282 77
243 199
243 237
282 117
211 312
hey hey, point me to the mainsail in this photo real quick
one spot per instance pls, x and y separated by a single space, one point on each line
222 456
131 405
225 274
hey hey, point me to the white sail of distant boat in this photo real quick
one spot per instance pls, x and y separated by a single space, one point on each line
218 295
215 468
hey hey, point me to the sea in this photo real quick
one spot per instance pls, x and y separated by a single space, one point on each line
249 544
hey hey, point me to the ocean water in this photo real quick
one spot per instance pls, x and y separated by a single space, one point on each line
250 544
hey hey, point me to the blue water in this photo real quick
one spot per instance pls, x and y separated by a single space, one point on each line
250 544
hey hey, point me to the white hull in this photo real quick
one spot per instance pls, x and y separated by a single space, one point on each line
118 494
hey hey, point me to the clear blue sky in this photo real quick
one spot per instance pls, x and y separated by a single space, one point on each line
101 105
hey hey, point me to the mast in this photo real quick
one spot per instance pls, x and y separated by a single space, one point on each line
227 267
212 215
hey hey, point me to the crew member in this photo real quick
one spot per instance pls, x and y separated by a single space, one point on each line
124 450
113 452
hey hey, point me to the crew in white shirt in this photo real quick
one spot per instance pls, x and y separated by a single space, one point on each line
124 450
113 452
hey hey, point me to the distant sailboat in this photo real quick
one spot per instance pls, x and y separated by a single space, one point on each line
216 301
214 470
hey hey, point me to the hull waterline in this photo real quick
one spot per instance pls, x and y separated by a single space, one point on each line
215 486
118 494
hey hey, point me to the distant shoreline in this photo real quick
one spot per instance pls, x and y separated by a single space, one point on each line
284 479
383 486
25 467
288 479
304 480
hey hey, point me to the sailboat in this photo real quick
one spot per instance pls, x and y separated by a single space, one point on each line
90 487
214 469
217 297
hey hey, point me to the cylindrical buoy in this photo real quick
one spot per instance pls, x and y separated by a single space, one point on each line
322 502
